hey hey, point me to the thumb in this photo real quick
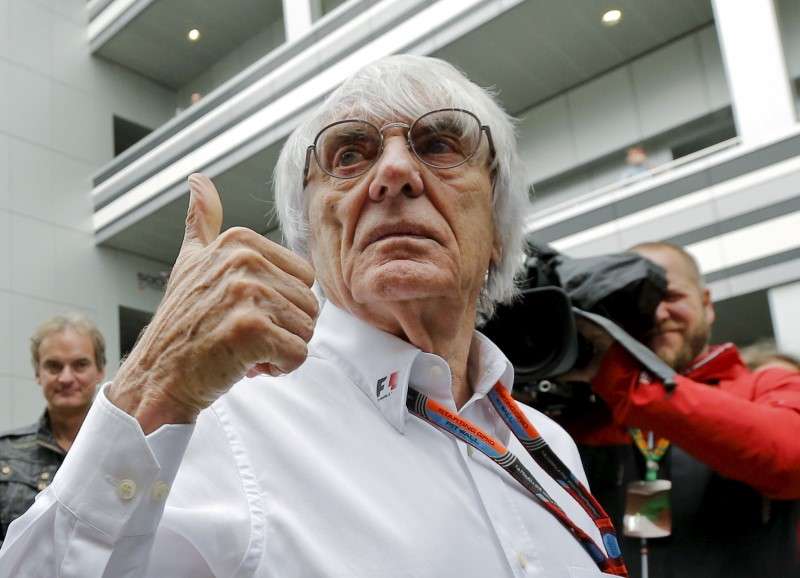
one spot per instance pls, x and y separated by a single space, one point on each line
204 217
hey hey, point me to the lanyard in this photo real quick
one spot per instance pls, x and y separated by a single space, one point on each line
652 453
441 417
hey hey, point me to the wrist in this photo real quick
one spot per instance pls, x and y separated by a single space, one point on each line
135 394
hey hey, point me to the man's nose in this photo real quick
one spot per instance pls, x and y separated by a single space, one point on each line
662 312
66 375
396 172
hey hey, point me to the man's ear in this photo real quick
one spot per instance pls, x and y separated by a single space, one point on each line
497 250
708 306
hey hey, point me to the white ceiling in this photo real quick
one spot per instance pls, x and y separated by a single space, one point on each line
543 47
531 53
154 43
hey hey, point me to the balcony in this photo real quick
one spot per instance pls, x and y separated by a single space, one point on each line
235 131
734 207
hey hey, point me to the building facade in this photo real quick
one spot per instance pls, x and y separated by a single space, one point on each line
108 105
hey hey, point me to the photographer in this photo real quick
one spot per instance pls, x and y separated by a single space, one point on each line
733 453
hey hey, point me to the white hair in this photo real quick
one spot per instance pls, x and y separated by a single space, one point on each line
407 86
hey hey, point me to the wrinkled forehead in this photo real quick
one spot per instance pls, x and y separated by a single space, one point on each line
381 100
381 113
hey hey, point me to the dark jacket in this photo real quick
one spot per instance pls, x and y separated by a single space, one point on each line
29 458
734 463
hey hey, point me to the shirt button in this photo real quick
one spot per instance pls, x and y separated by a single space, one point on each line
160 490
470 451
523 561
436 372
45 475
126 489
5 470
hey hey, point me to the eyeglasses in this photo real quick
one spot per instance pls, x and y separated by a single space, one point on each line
443 139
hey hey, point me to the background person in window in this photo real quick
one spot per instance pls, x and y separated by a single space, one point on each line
68 357
402 194
734 455
636 162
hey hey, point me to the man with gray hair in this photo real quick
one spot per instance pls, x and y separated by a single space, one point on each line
68 357
255 432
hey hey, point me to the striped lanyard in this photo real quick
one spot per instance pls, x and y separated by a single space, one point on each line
652 452
441 417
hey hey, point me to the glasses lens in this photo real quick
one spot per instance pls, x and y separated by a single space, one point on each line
347 149
445 138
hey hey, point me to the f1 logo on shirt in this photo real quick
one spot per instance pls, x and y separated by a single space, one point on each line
390 381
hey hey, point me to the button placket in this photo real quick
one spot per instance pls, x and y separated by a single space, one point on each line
159 491
498 502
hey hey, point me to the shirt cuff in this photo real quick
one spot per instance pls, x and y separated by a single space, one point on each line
116 478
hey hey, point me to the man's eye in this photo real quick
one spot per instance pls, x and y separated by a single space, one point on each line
438 145
348 157
52 368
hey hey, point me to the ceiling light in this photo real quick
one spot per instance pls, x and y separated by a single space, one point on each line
611 17
194 34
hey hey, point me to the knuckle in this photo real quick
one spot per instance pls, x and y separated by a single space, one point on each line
308 330
243 258
243 288
314 304
304 328
295 356
307 272
245 323
235 236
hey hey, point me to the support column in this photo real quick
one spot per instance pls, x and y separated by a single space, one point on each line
298 16
784 307
750 40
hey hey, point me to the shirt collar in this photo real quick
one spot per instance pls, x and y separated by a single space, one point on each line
382 365
44 434
720 362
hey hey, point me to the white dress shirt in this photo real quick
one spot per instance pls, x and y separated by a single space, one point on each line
319 473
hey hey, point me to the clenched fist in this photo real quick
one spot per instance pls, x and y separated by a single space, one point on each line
235 303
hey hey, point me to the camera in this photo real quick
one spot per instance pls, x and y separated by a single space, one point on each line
538 332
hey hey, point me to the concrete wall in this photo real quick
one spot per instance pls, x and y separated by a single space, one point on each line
668 87
788 12
56 108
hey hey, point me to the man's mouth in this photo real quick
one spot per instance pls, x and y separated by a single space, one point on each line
403 230
662 329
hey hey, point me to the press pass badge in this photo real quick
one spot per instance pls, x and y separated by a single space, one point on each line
647 510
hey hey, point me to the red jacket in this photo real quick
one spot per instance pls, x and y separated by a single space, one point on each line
743 425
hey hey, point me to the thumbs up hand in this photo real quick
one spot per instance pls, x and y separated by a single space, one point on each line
235 303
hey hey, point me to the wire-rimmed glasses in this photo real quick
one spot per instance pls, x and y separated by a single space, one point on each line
443 139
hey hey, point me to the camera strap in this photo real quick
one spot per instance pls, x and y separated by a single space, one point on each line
440 416
645 356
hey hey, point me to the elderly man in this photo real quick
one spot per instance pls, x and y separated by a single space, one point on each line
68 357
726 438
326 460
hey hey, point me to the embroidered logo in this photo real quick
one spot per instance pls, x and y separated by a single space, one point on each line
386 385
